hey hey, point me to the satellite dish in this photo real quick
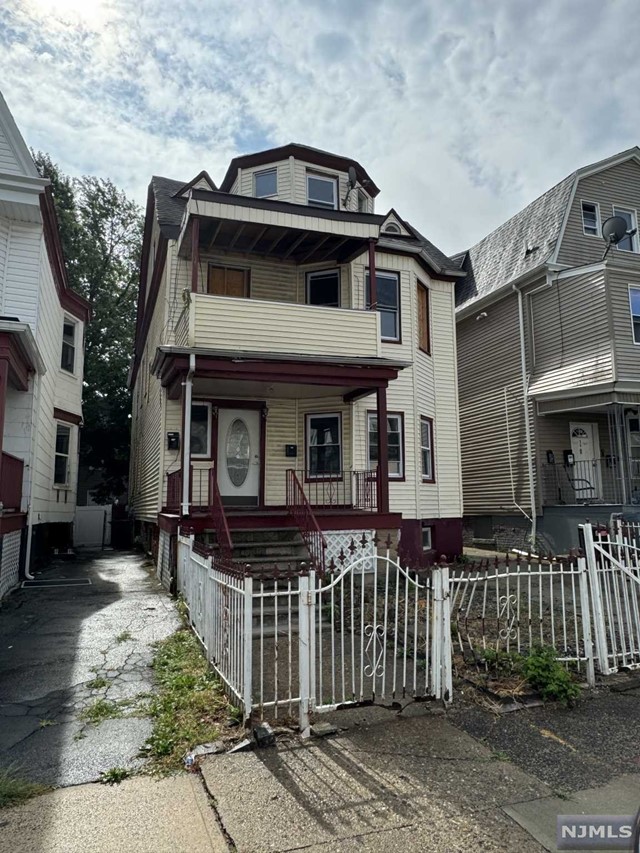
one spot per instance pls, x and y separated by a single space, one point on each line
353 178
614 229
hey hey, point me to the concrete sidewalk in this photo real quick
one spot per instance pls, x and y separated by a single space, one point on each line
141 814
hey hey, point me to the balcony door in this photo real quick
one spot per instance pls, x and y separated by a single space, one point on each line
238 457
586 472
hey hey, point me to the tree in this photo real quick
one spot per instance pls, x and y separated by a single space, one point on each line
101 234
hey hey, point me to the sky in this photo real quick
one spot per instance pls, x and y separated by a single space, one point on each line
461 111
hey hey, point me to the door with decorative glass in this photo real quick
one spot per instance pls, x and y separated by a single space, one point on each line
239 456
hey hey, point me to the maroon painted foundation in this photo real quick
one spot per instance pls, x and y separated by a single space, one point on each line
446 540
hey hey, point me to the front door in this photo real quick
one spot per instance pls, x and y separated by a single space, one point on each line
586 472
238 458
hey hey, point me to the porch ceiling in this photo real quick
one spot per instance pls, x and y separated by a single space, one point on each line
298 245
229 389
255 373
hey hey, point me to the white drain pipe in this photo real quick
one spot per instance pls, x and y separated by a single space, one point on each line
527 424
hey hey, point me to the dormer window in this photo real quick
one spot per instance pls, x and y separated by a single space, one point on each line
363 202
266 183
391 228
322 191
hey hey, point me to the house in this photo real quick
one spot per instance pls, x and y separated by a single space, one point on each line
548 335
267 355
41 358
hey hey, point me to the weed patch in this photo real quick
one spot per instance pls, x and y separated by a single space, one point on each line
190 705
547 675
14 790
97 683
115 775
124 636
101 710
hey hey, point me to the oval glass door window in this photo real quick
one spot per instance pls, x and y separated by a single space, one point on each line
238 447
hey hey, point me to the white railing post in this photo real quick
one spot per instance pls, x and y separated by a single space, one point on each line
586 621
445 622
304 653
247 687
596 601
437 640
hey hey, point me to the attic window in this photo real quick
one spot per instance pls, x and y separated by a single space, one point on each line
266 183
590 218
391 228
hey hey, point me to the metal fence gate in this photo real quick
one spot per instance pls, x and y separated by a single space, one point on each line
373 631
613 560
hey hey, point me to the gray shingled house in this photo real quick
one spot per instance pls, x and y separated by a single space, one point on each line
548 337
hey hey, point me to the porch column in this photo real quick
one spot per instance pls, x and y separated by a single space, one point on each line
195 252
383 451
4 377
373 287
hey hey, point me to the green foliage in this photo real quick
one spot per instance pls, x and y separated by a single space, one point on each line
101 710
547 675
14 790
101 235
124 636
190 704
115 775
97 682
503 662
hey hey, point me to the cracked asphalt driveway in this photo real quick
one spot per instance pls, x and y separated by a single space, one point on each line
64 648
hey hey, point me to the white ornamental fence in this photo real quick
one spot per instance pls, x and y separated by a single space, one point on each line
297 642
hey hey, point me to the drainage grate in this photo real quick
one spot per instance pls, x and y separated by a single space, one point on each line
57 582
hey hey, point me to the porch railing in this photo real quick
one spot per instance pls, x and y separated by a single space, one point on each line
348 488
300 509
591 481
11 482
220 523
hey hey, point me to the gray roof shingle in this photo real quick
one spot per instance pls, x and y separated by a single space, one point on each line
169 210
517 246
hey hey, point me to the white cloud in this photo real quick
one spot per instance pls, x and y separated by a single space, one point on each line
462 112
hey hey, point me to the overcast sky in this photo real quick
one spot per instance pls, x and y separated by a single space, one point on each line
462 111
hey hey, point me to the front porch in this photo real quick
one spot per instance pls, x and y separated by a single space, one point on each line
268 442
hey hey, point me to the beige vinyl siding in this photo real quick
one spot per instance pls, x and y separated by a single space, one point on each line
571 334
626 351
172 459
8 161
263 326
618 186
553 433
281 428
491 411
246 184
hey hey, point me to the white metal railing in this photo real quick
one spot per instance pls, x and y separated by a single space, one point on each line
613 560
517 606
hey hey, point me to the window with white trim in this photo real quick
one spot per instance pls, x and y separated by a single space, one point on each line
426 449
201 430
322 191
68 357
630 242
427 537
591 218
266 183
395 442
634 305
324 444
388 303
323 288
363 202
62 455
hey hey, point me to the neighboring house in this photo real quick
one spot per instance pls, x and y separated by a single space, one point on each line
542 318
41 359
258 356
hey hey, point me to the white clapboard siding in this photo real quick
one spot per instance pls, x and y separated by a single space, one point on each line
22 273
626 350
256 325
8 160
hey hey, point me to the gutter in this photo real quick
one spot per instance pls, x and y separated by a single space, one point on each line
527 423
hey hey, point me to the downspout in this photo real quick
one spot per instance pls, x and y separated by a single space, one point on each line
527 423
35 420
186 438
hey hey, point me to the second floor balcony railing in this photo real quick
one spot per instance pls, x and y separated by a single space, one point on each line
263 325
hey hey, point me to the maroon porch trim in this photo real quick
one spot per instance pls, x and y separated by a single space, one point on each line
13 521
18 366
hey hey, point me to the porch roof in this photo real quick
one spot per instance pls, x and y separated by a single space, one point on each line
18 347
350 376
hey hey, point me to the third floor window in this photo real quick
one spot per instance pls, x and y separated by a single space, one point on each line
629 243
266 183
322 191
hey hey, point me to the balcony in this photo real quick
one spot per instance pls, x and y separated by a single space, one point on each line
11 483
261 325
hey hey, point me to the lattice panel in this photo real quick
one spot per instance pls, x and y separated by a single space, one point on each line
10 562
164 559
340 540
